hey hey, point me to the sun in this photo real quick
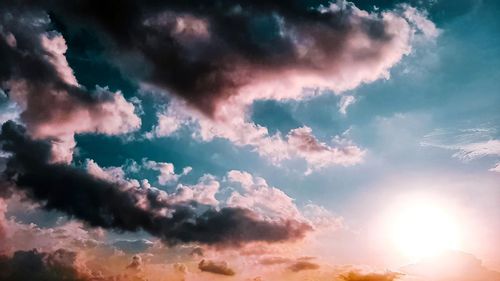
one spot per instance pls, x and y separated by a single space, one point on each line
423 229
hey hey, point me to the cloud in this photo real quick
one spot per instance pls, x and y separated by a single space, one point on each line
318 154
166 171
37 76
33 265
216 267
298 143
345 102
203 192
303 265
469 144
199 55
135 264
254 193
358 276
101 203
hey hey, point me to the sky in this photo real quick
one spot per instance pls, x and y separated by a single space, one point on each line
250 140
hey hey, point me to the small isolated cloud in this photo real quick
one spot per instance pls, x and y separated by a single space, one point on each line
135 264
360 276
221 268
303 265
344 102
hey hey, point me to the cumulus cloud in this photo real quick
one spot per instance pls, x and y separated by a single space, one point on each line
165 170
257 195
37 76
298 143
110 205
221 268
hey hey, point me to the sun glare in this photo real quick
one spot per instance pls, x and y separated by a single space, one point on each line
423 229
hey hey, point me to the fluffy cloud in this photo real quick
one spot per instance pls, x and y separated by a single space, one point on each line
298 143
257 195
110 205
165 170
199 55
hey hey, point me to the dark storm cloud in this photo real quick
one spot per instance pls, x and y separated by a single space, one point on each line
358 276
206 51
101 203
60 265
216 267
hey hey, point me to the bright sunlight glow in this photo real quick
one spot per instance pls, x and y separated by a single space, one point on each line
422 229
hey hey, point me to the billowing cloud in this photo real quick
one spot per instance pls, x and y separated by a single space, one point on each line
197 53
221 268
37 76
109 205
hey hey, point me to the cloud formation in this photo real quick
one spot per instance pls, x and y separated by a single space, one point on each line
193 50
37 76
109 205
298 143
